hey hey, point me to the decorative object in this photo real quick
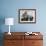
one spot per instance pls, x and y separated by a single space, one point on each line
27 15
9 21
30 33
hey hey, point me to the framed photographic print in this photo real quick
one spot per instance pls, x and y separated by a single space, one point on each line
27 15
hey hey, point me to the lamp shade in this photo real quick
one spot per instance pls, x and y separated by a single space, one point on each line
9 21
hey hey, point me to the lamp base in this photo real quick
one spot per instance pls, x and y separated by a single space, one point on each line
9 33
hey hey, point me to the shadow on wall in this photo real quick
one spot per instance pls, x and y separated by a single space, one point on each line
2 21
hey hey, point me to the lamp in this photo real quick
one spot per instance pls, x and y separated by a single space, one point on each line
9 21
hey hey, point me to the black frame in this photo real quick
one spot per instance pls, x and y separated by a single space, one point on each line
19 12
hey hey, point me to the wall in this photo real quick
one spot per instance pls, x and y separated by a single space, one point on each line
9 8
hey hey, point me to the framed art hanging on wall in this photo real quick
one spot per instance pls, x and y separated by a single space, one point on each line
27 15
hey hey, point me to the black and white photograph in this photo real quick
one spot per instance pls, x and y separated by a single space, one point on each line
27 15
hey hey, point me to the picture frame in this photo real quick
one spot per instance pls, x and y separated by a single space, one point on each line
27 15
